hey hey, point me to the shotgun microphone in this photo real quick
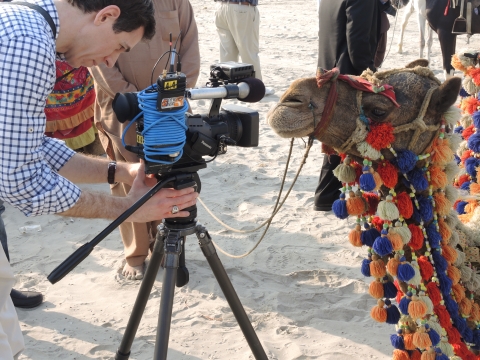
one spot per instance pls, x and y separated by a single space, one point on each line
248 90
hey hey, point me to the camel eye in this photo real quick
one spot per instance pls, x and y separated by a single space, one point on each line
378 112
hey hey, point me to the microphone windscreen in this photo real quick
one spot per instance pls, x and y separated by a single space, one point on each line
257 90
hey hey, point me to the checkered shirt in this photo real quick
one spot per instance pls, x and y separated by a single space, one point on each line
29 161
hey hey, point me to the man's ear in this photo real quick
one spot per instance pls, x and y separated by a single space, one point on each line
108 13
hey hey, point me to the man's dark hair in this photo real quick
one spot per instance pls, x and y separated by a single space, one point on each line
134 14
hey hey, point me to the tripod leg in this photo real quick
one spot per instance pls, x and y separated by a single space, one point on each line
210 253
123 352
173 247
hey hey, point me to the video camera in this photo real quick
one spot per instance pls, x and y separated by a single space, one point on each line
169 138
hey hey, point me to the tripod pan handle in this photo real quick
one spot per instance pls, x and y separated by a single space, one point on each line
70 263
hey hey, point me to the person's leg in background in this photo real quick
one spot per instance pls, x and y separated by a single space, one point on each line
228 47
21 299
328 189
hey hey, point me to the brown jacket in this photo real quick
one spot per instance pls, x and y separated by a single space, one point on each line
132 71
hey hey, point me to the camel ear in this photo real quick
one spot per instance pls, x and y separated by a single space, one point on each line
446 95
418 62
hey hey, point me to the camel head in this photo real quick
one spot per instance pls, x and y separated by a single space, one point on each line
415 110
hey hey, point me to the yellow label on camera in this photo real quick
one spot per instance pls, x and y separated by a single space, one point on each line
170 85
139 139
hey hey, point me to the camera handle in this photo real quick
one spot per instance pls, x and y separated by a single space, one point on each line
81 253
170 246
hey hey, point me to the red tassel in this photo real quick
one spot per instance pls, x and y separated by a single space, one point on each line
404 205
426 268
453 335
380 135
443 316
378 223
469 131
388 173
416 242
434 293
466 154
372 201
462 178
399 292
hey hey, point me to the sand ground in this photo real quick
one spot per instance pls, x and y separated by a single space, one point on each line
301 287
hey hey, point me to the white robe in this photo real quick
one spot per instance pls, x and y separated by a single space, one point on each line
11 338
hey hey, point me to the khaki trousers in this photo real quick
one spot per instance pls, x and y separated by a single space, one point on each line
11 338
238 28
136 237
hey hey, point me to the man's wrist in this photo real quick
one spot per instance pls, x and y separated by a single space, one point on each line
124 173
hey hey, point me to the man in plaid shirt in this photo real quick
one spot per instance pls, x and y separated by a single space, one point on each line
36 172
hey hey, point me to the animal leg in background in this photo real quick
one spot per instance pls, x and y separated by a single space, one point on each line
420 6
447 44
408 12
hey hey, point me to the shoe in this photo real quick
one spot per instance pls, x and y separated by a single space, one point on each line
26 299
269 91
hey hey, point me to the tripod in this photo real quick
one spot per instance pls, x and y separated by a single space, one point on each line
170 247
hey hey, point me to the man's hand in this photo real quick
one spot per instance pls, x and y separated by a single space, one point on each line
161 204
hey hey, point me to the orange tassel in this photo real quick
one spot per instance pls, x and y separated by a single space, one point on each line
377 267
475 312
449 253
438 177
465 306
457 64
474 188
355 205
428 355
442 204
378 181
392 265
354 236
444 230
474 73
376 289
441 152
454 274
408 342
400 355
469 105
378 312
421 339
459 292
417 309
396 241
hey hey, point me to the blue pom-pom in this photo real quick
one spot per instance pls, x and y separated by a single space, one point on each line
467 335
476 337
382 246
405 272
403 305
397 342
339 208
458 130
389 290
466 185
472 163
461 207
368 237
459 323
405 160
464 93
440 262
416 215
457 159
451 305
393 315
476 119
367 182
365 268
445 285
417 178
426 209
434 337
434 236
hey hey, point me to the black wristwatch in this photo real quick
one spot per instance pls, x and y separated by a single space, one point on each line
112 166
